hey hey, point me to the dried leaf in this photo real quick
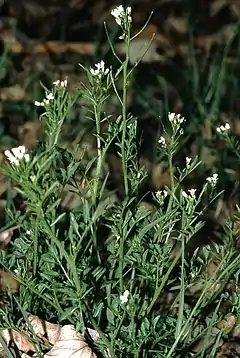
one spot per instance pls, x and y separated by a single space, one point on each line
14 93
160 178
45 329
70 344
5 237
19 340
29 133
8 282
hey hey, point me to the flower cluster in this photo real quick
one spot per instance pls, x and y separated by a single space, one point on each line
50 95
162 142
213 180
46 101
124 297
223 129
59 83
123 18
175 119
15 155
191 195
161 195
100 70
122 15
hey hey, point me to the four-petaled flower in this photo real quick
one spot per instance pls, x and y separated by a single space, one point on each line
100 70
213 179
16 154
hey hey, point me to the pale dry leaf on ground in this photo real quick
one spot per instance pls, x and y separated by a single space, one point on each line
18 339
70 344
44 329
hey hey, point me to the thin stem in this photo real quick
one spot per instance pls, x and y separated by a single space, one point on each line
98 173
124 113
121 253
99 153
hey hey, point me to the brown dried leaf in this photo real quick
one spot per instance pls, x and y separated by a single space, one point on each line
227 324
8 282
70 344
43 328
14 93
160 178
29 133
6 236
19 340
3 184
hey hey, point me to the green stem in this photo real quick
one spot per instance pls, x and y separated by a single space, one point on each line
99 153
124 115
121 253
170 160
98 174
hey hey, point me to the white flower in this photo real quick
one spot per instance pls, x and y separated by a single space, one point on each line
162 142
188 161
100 70
223 129
120 14
124 297
38 104
16 154
46 101
161 195
56 83
192 192
50 96
175 119
63 83
191 195
213 180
